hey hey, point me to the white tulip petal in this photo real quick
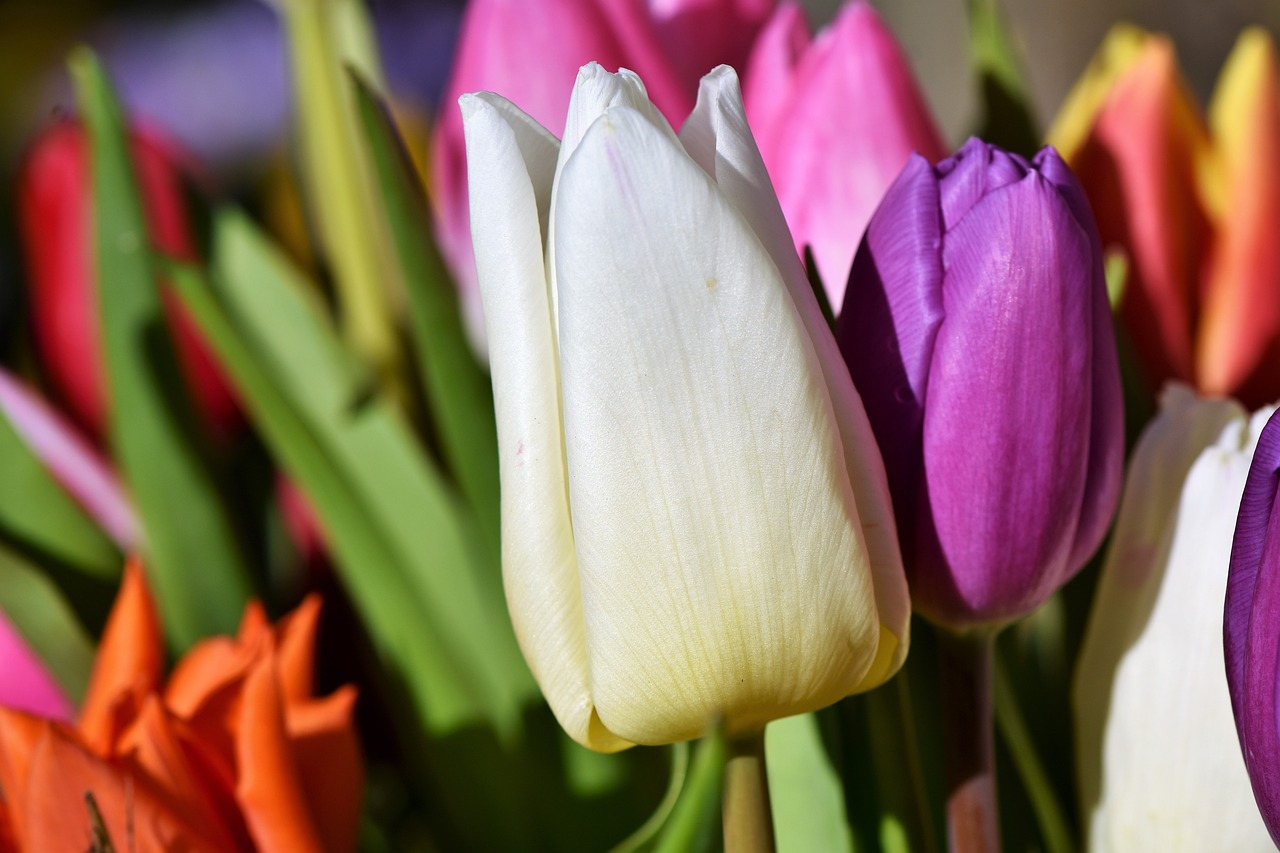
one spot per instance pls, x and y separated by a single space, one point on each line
718 138
1131 576
594 91
707 479
1160 759
511 161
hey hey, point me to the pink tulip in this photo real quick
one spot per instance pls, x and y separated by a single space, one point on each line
71 460
530 54
836 118
25 685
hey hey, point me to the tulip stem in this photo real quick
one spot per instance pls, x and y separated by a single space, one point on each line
748 815
967 660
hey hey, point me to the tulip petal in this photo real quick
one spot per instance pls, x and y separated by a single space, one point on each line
1120 49
1238 341
707 481
25 684
719 140
297 633
130 659
78 468
1252 622
831 163
976 170
268 788
327 754
1172 777
512 164
768 84
1015 454
894 305
1139 550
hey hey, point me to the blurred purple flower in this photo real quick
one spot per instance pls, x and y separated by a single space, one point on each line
977 330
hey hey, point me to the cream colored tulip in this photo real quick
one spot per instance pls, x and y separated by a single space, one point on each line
696 523
1158 755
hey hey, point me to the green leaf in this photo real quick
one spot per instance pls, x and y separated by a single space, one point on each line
193 563
808 796
335 174
42 616
457 388
38 515
369 567
430 538
695 819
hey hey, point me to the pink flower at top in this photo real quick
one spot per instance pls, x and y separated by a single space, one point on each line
530 52
836 118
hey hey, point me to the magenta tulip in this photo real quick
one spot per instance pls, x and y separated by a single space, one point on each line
836 118
976 327
1251 628
530 54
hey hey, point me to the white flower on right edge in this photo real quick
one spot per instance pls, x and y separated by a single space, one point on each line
1157 752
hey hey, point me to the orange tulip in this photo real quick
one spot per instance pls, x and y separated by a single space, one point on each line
231 753
1192 202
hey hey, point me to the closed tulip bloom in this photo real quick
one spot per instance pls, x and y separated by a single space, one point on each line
977 330
530 53
836 118
55 210
1251 628
1191 201
1155 738
695 518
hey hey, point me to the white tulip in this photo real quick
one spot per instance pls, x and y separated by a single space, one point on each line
1157 751
696 522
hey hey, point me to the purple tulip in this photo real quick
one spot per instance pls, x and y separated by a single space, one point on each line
1251 626
977 329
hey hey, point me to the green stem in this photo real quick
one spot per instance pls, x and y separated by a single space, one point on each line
905 823
1044 801
973 823
747 813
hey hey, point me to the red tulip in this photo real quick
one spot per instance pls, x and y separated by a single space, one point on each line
55 216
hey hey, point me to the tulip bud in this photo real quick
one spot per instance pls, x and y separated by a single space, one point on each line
695 518
1251 628
977 330
530 54
55 211
836 119
1155 738
1192 203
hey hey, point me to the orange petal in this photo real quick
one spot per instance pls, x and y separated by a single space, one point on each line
19 733
1140 168
55 815
130 659
297 634
154 748
1238 350
269 790
210 667
253 624
327 754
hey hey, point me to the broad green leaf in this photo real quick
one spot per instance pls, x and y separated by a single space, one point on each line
421 520
457 390
370 569
38 515
192 560
36 608
808 796
335 175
